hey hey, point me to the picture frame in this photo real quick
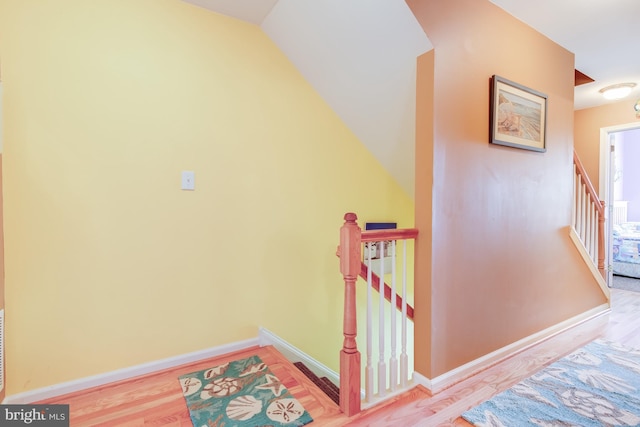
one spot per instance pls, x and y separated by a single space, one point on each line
518 115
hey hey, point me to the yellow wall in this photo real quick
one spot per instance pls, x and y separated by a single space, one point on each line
587 125
503 266
108 263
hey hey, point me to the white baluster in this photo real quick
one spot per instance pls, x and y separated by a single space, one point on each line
594 232
369 367
583 210
393 362
382 366
587 212
578 207
573 208
404 359
577 190
587 230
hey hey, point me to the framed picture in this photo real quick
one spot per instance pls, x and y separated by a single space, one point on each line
518 115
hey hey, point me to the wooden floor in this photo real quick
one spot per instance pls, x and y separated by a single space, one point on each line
156 399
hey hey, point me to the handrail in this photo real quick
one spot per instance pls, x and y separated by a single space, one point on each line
375 281
389 234
584 178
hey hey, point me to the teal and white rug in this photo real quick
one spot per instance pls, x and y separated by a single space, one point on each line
243 393
597 385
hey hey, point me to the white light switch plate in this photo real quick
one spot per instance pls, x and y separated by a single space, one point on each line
188 180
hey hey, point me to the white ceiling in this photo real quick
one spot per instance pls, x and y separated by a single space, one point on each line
361 58
601 34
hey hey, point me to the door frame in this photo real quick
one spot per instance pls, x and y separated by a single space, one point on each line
605 190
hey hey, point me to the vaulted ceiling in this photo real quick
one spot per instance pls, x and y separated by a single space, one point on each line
361 57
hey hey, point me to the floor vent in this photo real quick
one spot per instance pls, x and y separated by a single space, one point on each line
329 388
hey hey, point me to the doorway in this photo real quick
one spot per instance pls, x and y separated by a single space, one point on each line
620 189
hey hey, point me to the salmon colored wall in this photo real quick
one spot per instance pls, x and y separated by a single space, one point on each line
423 203
503 264
108 263
587 125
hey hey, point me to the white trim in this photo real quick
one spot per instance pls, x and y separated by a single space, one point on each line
603 171
294 354
376 399
605 152
419 379
606 186
587 259
458 374
123 374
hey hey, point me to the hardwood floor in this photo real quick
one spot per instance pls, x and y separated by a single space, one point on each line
156 399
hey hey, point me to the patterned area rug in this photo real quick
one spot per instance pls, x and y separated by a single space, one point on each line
238 394
597 385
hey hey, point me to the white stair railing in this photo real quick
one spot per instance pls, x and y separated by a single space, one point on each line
588 215
393 373
380 263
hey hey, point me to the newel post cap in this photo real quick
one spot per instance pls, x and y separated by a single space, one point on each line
350 246
350 217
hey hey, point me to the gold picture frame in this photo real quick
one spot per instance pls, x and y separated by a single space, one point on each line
518 115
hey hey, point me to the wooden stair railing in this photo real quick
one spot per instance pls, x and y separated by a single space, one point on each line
351 266
588 215
350 250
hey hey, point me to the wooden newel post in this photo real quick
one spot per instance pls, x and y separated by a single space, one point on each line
350 235
601 241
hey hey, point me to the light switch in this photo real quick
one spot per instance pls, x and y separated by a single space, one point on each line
188 180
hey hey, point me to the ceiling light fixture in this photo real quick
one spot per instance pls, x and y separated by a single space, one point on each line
636 107
618 91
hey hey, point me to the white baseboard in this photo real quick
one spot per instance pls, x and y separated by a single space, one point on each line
458 374
419 379
294 354
266 337
123 374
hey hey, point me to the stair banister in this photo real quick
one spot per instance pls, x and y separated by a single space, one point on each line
389 383
582 220
350 251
